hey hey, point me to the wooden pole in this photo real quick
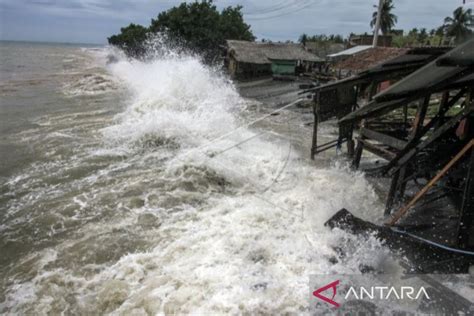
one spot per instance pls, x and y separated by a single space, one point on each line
432 182
314 143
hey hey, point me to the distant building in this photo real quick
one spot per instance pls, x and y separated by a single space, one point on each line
348 53
366 39
323 49
364 59
253 59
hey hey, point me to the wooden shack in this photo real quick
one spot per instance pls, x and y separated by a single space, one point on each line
253 59
422 128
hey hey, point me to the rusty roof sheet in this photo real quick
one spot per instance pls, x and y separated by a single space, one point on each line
432 76
370 58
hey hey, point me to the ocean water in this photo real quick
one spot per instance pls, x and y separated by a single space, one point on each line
140 188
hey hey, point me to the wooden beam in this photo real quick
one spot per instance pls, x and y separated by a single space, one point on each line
420 117
377 150
428 186
383 138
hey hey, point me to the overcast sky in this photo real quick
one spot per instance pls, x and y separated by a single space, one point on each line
92 21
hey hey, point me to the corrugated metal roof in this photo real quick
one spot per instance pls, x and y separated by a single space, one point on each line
351 51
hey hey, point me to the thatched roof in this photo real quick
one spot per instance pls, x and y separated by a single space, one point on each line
263 53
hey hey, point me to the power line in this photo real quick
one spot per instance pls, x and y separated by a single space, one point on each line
296 9
276 7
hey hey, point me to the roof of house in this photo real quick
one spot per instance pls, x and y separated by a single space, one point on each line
351 51
263 53
447 72
369 58
455 64
412 60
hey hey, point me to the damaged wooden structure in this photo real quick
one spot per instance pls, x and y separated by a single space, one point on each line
336 100
422 128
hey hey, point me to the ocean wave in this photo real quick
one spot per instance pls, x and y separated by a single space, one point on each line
179 205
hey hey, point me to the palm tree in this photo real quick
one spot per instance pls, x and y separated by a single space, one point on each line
303 39
387 19
459 25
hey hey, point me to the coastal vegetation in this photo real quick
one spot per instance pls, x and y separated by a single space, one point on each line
197 26
459 25
387 18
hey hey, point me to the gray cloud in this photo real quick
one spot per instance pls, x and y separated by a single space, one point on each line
95 20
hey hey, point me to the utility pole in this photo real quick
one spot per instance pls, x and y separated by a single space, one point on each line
377 23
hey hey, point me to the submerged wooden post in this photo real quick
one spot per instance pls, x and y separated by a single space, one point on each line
360 144
398 185
392 193
314 144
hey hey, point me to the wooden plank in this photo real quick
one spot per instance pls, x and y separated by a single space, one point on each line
383 138
377 150
422 256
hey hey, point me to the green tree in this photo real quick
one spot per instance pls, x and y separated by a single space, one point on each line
131 39
459 25
232 25
422 36
303 39
198 26
440 31
387 19
201 27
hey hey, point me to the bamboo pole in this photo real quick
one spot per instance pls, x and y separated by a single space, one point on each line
432 182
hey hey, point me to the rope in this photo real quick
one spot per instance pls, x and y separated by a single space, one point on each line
464 252
215 140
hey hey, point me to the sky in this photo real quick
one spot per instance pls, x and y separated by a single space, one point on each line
92 21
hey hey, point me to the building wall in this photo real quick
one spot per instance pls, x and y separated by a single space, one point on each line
283 67
244 71
383 40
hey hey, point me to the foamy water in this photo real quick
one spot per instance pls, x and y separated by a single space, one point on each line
157 196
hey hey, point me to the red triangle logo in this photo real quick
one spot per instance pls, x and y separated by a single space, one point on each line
331 301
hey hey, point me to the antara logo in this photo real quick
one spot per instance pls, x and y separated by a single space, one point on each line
331 301
371 293
385 293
